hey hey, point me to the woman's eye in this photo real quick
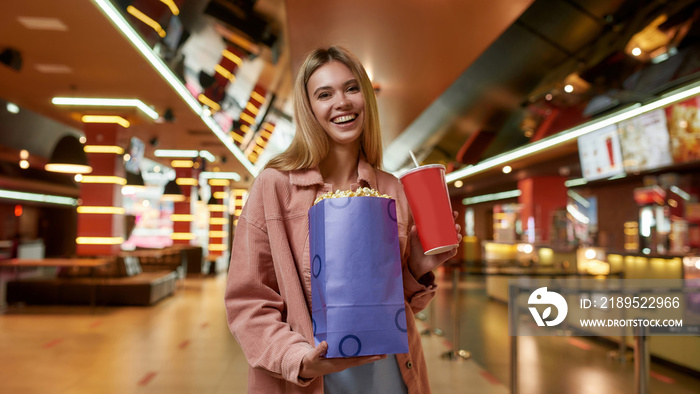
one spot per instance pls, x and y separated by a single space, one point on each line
324 95
353 88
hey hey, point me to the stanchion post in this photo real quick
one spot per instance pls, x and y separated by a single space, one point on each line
641 361
455 353
512 294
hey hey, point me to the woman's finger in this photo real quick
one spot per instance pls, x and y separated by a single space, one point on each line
320 350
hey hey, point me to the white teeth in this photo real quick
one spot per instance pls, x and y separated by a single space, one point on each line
344 118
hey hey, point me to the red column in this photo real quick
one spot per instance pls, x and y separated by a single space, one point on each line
186 177
218 218
101 227
541 196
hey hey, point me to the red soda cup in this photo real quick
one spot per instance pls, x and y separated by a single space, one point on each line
426 191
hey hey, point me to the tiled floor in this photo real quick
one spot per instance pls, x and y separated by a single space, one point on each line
182 345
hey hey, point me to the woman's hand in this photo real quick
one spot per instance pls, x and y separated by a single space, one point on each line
418 263
314 364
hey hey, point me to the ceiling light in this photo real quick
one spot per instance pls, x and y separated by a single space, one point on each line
106 119
127 157
548 97
23 164
176 153
23 154
39 23
78 177
186 181
106 179
220 175
231 56
257 97
12 108
636 51
172 192
146 19
118 150
82 139
182 163
573 133
106 102
491 197
173 7
568 88
156 169
118 19
207 155
507 169
101 210
209 102
68 156
22 196
99 240
53 68
459 183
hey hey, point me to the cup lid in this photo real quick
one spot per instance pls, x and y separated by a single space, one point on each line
412 170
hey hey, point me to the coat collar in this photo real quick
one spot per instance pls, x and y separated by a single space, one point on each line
312 176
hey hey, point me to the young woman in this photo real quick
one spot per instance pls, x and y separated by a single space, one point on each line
337 146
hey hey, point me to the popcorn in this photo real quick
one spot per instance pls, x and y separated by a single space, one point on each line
360 192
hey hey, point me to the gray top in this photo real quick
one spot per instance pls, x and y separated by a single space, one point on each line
379 377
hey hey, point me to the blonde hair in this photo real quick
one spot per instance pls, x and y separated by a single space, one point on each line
310 143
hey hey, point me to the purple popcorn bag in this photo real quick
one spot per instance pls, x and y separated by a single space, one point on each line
357 301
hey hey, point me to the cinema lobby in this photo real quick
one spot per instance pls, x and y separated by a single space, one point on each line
567 133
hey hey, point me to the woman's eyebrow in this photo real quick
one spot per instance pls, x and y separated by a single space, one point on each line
346 83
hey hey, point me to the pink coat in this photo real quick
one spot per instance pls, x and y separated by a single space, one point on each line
268 295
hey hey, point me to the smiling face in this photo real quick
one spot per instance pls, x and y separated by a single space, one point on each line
337 102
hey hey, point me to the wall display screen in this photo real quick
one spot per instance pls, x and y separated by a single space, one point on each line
645 142
600 154
684 130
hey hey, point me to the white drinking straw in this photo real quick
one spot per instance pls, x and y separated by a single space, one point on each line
414 158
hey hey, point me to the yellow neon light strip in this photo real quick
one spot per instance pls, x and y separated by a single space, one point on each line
230 56
260 141
220 195
208 102
146 19
247 118
253 109
182 236
217 208
106 119
218 234
216 221
186 181
219 182
265 134
104 149
99 240
238 212
258 149
225 73
237 137
173 7
235 222
103 179
257 97
181 217
182 163
217 247
102 210
245 128
269 127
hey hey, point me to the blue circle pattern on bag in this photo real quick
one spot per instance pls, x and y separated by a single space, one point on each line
396 319
345 338
391 209
313 266
339 202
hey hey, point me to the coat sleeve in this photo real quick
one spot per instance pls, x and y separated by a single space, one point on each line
255 309
417 292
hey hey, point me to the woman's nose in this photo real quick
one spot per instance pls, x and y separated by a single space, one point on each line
343 102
